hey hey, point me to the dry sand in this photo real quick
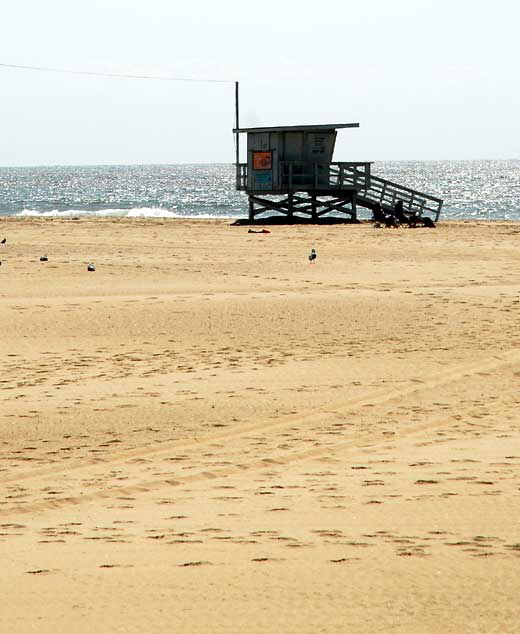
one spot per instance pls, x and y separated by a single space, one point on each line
210 434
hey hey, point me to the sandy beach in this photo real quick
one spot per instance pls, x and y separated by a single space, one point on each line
210 434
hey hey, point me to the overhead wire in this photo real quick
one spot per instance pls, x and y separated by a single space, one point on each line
50 69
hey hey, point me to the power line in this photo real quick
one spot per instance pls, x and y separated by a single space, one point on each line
49 69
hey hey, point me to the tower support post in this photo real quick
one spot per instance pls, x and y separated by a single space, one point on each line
307 204
314 207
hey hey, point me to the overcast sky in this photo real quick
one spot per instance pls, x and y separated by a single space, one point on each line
426 79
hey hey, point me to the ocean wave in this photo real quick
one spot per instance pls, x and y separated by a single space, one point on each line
470 190
136 212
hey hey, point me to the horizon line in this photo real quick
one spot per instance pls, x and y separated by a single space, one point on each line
232 164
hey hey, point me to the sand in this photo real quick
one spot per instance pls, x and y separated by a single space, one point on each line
211 434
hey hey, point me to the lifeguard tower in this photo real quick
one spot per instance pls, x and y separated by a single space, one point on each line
290 171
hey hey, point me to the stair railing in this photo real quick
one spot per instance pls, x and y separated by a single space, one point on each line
387 193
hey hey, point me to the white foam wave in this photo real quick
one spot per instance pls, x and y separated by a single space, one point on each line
137 212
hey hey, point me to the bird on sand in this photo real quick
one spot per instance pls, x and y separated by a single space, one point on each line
44 258
313 255
3 241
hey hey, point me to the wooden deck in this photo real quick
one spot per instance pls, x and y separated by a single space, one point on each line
296 176
346 180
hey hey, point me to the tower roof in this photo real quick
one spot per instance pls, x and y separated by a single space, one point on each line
298 128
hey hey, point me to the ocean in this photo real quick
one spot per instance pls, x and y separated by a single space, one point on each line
487 190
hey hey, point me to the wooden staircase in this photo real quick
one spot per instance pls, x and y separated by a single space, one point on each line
387 193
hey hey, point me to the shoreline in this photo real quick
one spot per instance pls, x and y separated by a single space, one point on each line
228 220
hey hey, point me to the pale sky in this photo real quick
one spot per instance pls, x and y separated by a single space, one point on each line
426 79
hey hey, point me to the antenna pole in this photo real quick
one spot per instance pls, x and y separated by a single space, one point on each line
237 140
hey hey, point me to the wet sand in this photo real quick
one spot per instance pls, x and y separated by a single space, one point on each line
211 434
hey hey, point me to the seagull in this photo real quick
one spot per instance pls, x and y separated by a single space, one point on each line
313 255
44 258
3 241
91 267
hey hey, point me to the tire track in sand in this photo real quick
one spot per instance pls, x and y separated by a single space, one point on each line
351 442
468 370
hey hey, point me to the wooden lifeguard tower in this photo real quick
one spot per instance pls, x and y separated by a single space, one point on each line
290 171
